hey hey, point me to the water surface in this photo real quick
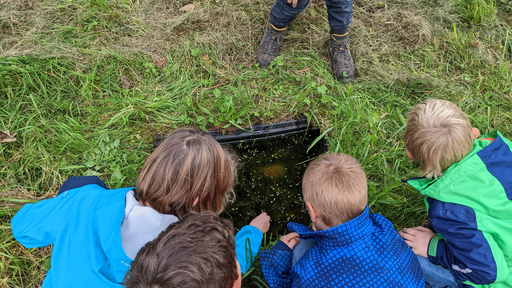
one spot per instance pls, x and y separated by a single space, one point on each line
269 180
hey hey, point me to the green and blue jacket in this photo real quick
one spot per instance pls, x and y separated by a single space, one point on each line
470 207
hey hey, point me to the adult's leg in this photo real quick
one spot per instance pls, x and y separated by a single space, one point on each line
300 249
76 182
436 276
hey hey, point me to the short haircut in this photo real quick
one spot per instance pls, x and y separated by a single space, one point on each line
197 251
437 135
335 184
186 166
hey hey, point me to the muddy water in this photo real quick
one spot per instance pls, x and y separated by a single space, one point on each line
269 180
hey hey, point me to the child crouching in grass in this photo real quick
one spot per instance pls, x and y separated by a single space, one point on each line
468 194
347 247
197 251
97 232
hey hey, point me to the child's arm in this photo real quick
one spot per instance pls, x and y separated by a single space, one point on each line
36 225
248 240
276 263
248 243
469 254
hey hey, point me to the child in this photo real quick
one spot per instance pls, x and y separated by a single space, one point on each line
197 251
97 232
468 194
347 247
284 12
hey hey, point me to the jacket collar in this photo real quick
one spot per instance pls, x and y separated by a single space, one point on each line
340 235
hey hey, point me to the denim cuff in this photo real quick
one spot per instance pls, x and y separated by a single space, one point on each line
340 31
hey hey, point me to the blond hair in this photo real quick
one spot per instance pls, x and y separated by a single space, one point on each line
335 184
437 135
187 165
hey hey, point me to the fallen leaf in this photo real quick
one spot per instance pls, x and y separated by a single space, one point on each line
5 136
15 20
187 8
126 82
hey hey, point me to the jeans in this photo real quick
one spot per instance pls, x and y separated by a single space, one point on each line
300 249
339 14
76 182
436 276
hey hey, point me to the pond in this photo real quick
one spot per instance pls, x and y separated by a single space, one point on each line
269 178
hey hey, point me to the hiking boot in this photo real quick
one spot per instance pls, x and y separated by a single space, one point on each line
341 59
269 45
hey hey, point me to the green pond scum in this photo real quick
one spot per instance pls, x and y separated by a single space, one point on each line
269 179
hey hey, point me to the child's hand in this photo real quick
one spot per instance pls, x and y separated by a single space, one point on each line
261 222
417 238
291 239
293 2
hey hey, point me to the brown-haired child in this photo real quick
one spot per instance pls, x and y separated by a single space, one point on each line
197 251
97 232
468 194
347 247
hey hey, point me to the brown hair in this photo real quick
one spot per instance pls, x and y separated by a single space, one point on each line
186 166
197 251
335 184
438 134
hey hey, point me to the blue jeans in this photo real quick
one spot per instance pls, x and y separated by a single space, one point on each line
436 276
339 14
300 249
76 182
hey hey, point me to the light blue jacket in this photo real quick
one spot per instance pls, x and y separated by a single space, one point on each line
84 226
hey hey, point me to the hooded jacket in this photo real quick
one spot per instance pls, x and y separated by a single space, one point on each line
470 207
363 252
84 226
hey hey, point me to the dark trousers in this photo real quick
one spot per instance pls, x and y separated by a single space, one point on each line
76 182
339 14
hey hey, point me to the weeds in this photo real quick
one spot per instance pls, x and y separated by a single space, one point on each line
477 11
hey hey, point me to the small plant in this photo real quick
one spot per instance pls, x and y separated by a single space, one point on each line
112 160
477 11
106 160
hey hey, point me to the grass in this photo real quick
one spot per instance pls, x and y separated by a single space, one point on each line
87 84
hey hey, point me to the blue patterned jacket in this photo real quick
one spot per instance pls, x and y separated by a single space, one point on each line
364 252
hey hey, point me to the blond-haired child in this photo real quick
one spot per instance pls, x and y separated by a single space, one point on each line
347 246
468 194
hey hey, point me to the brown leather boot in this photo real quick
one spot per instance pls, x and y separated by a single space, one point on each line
269 45
341 60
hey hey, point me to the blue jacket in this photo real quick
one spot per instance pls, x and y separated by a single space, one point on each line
84 225
364 252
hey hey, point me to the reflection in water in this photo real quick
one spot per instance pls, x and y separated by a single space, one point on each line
274 171
269 180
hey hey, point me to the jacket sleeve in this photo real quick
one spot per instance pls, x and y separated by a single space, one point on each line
36 225
248 243
470 254
276 265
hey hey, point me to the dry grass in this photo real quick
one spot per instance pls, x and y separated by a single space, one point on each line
381 33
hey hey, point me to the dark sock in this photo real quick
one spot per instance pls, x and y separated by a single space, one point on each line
276 27
339 32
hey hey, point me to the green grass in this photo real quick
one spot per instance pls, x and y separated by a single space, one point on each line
87 84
